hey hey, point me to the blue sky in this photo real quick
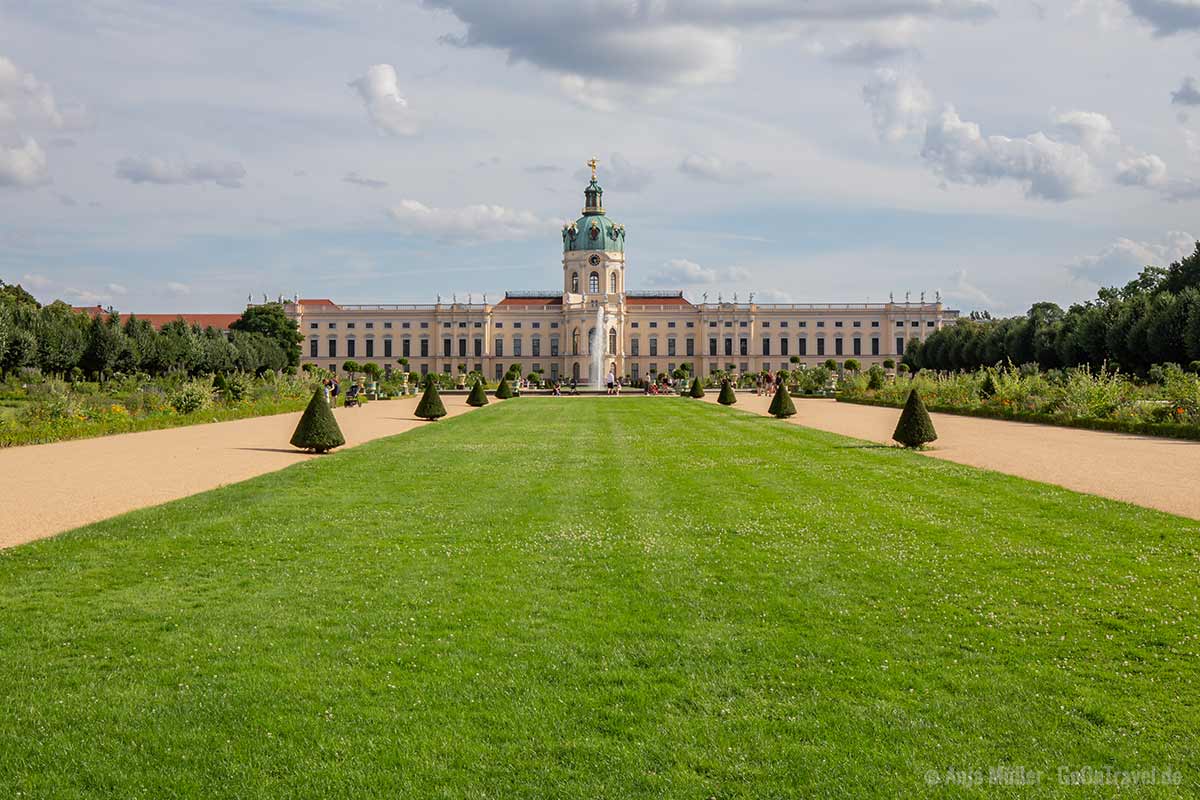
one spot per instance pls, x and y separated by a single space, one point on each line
163 156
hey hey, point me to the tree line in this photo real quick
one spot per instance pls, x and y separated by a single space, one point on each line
58 340
1153 319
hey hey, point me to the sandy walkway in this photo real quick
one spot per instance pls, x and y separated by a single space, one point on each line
49 488
1149 471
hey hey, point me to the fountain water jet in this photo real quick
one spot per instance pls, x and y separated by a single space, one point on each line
599 338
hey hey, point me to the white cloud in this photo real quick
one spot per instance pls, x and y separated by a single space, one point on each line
619 173
900 104
116 289
380 93
879 44
24 165
1121 261
475 223
1049 169
963 290
27 102
1092 131
682 272
710 167
659 43
33 280
228 174
179 289
1146 170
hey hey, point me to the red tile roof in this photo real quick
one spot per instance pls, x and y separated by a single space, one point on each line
665 300
531 301
318 302
221 321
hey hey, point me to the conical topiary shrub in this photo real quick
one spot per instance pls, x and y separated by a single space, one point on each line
478 396
504 391
318 429
430 407
726 397
782 406
988 390
697 389
915 427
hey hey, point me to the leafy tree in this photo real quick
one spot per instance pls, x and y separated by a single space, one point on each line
61 336
141 346
21 350
875 378
830 365
351 367
105 343
915 428
853 365
430 407
318 429
1183 274
478 396
782 406
12 296
272 321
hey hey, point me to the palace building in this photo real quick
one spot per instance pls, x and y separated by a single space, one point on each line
593 324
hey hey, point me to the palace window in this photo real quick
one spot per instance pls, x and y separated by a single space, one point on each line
712 345
858 347
612 341
635 346
332 347
446 345
766 346
516 347
783 346
837 346
803 346
387 348
462 348
554 346
424 348
314 325
478 348
312 348
653 345
744 346
594 283
690 347
728 345
535 346
899 345
350 348
875 346
370 325
612 283
820 345
498 350
406 347
671 346
370 348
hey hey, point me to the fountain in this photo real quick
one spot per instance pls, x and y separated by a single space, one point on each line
599 338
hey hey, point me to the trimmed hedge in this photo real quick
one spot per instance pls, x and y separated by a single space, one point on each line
430 407
697 388
318 429
478 396
504 390
915 428
1166 430
727 396
782 406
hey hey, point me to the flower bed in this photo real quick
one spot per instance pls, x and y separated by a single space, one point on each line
1077 398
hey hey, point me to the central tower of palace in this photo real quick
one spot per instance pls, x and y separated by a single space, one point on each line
593 252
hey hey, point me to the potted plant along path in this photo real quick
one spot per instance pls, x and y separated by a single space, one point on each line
697 389
782 406
726 397
478 396
915 428
430 407
318 430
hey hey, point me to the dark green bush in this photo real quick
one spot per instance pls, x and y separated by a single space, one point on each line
430 407
915 427
782 406
478 396
504 390
727 396
318 429
697 388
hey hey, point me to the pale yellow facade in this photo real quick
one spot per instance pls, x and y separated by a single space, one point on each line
639 333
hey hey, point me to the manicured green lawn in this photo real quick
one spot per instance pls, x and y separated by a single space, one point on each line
598 598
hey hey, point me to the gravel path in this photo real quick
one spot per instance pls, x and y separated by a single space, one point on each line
50 488
1145 470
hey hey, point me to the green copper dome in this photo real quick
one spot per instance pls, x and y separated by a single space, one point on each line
593 231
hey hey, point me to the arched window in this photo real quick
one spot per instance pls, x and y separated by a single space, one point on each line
612 283
575 342
612 341
594 283
593 343
575 282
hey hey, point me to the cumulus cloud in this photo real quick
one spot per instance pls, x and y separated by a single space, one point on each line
662 44
1146 170
900 104
23 166
369 183
27 102
1052 170
1188 93
140 169
33 280
963 290
708 167
1121 261
682 272
380 93
1167 16
475 223
1092 131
